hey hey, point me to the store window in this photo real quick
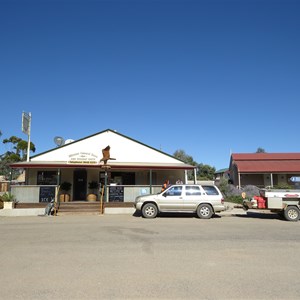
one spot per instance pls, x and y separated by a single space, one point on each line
123 178
47 178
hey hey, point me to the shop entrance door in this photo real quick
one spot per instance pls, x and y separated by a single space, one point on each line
79 189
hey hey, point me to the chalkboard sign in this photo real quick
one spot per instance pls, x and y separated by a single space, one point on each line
116 193
47 193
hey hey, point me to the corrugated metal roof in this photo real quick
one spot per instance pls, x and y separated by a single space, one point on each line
265 156
268 166
266 162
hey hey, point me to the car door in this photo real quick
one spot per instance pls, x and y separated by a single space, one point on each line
193 196
171 199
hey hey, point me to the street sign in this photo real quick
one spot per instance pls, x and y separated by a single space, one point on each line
295 179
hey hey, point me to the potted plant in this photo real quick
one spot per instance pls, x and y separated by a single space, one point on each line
64 189
93 186
8 200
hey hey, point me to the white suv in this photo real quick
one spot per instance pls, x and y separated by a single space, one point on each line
204 200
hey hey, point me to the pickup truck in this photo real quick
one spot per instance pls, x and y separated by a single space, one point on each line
204 200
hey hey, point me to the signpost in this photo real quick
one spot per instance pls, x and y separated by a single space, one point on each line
295 179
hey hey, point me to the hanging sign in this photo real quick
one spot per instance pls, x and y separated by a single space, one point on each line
26 118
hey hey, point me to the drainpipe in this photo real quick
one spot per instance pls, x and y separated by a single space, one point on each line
239 177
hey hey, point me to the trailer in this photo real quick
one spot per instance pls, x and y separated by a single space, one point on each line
283 202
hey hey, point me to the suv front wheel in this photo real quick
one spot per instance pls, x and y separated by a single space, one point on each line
149 211
204 211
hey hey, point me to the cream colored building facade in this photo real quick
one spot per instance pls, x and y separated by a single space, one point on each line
134 168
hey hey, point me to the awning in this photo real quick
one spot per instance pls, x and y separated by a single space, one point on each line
113 165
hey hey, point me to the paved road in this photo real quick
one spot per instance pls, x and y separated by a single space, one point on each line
127 257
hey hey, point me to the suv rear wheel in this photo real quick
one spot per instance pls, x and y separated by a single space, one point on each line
149 211
204 211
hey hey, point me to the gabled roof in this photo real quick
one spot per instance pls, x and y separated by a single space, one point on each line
225 170
266 162
126 152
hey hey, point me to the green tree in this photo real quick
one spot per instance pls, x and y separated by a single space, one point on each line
19 146
17 153
260 150
205 172
181 155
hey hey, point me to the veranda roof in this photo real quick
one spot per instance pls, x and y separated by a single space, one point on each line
266 162
113 165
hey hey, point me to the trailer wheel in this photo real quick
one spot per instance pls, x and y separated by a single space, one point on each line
291 213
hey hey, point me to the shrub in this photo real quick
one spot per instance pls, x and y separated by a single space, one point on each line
283 186
235 199
7 197
65 186
234 194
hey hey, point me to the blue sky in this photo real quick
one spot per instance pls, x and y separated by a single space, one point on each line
208 77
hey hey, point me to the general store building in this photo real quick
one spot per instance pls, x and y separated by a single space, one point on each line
133 169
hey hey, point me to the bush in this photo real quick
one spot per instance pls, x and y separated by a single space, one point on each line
65 186
234 194
283 186
7 197
235 199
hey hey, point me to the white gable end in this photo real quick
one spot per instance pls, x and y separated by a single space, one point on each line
123 149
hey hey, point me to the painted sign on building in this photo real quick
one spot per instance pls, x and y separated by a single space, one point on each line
83 158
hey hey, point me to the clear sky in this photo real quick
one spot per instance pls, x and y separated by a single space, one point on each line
208 77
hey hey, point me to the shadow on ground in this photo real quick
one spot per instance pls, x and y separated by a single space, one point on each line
261 215
138 214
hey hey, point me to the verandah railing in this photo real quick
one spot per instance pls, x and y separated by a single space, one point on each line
115 193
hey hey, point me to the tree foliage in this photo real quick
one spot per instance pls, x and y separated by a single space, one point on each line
18 152
204 172
19 146
260 150
181 155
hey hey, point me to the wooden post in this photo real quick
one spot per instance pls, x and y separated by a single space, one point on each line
55 200
101 201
